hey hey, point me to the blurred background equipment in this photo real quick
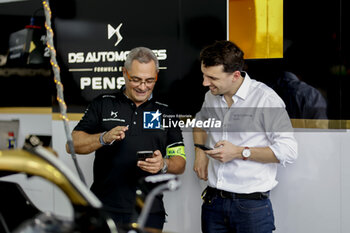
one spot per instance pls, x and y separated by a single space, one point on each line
28 46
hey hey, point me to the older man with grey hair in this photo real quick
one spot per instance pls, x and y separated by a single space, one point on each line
113 127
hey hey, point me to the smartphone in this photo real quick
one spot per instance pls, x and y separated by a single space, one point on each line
142 155
203 147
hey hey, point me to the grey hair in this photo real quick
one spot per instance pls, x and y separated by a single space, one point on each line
142 55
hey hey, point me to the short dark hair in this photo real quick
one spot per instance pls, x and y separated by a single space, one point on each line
224 53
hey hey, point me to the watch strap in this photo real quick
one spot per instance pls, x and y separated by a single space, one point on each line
103 142
165 167
101 139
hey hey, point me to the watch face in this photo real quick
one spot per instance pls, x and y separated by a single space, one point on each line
246 153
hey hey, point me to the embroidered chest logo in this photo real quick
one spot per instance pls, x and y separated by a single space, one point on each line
151 120
114 114
113 117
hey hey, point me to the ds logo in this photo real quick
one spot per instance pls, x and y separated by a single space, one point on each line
151 120
112 31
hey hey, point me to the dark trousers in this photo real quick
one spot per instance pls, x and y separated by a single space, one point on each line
234 215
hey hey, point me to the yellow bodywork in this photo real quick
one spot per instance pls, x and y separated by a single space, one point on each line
21 161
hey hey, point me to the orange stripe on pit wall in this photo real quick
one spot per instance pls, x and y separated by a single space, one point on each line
25 110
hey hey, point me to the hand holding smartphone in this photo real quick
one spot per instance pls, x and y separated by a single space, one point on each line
142 155
203 147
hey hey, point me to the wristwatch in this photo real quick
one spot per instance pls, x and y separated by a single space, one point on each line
246 153
101 139
165 167
103 142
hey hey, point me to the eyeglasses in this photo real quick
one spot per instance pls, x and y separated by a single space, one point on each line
137 81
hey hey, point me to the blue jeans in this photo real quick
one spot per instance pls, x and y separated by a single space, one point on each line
221 215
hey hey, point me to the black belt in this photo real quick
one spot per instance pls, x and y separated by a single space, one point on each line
225 194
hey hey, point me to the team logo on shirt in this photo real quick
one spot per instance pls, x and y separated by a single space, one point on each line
113 117
151 120
114 114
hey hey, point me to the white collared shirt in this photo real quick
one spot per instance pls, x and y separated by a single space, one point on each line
257 118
